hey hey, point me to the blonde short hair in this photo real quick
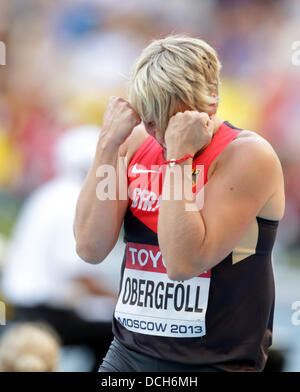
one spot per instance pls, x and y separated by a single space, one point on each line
29 347
176 70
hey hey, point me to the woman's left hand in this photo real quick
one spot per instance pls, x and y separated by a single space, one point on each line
187 133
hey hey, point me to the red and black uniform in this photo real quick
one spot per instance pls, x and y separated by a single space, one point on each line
221 318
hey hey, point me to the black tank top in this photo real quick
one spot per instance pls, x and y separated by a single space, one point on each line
223 317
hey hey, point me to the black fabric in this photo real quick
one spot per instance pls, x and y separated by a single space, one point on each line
71 329
120 359
137 231
232 126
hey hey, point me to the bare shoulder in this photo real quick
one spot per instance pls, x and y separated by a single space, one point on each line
133 142
252 160
251 148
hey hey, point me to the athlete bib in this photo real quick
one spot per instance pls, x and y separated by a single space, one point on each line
152 304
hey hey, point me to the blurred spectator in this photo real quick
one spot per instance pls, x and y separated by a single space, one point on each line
43 278
29 347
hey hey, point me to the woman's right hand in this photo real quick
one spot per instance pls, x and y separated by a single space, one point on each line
119 120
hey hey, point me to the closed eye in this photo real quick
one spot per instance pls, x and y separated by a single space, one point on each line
151 124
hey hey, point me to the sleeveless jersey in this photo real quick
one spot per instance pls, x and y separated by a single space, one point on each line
223 317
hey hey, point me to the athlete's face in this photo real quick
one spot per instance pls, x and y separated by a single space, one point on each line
153 130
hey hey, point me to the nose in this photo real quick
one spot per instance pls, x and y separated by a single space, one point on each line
159 138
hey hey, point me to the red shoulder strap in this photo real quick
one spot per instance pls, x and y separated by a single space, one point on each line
225 134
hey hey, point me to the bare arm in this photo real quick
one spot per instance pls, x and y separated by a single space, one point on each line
192 242
98 220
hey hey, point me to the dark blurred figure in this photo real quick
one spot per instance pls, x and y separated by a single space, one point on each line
275 362
43 278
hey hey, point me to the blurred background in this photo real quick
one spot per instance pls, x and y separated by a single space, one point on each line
64 58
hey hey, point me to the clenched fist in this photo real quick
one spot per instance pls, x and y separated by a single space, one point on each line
119 120
187 133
